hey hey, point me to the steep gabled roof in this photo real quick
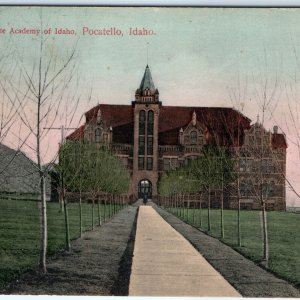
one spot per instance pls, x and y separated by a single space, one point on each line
77 134
220 122
179 116
114 115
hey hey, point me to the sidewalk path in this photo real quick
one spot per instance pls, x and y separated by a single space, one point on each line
166 264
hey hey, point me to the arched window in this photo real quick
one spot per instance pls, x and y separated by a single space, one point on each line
193 137
97 135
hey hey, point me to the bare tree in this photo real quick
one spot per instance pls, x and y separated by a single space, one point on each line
39 90
238 93
266 93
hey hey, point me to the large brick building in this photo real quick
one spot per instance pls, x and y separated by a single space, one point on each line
150 138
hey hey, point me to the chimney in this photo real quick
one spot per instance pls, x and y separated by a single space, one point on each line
275 129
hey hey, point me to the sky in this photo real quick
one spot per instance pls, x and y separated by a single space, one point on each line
197 56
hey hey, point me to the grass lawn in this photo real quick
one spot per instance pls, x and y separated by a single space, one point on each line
19 233
283 231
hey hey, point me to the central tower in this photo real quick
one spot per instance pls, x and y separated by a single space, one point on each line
145 149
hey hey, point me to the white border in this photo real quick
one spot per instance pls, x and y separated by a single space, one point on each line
209 3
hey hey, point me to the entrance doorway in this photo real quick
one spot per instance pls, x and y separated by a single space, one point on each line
145 187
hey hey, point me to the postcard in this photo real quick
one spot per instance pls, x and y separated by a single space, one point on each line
149 151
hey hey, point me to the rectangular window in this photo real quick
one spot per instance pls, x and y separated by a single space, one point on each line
141 162
161 165
142 128
149 163
173 163
150 129
246 189
245 165
130 163
166 164
258 141
150 145
105 137
266 166
125 162
141 145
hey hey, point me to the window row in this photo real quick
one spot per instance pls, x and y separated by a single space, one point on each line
249 165
256 140
248 189
193 139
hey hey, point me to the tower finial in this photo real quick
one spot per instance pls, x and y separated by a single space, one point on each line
257 120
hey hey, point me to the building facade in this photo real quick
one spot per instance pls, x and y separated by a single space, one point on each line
150 138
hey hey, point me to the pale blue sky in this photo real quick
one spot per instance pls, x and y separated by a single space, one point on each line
194 56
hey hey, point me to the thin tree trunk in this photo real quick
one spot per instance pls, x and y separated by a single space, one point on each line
239 213
222 212
80 214
265 235
110 206
43 212
68 245
105 209
61 205
43 227
99 213
194 212
188 208
265 257
208 211
93 218
200 212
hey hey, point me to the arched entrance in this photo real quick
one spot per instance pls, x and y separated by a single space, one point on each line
145 187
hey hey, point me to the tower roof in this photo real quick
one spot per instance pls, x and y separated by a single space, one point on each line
147 81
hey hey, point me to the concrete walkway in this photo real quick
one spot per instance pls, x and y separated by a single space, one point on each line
166 264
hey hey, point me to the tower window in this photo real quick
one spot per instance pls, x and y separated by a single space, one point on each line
150 116
150 145
141 145
149 163
141 163
142 118
150 122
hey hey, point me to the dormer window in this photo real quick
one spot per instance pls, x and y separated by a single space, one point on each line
193 137
97 135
